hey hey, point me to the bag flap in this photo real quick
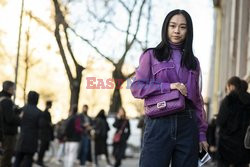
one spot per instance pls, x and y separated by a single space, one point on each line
174 94
160 66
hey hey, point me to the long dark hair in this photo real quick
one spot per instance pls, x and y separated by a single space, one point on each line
101 114
162 50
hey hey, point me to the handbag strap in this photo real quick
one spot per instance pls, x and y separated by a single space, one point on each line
123 126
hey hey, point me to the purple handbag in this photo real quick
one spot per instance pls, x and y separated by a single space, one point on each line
164 104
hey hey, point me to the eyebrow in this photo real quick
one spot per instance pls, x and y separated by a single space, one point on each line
176 23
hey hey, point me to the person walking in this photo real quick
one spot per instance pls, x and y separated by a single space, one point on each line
122 126
170 71
46 133
85 144
9 121
101 134
73 132
27 143
233 119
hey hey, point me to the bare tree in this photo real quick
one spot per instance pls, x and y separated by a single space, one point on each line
61 34
28 62
61 26
134 11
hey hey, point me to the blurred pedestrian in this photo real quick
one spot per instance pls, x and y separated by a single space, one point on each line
9 121
122 126
27 143
244 85
233 119
60 135
73 132
46 133
101 135
85 144
212 137
169 80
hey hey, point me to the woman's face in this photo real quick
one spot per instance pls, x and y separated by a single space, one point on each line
121 112
177 29
230 88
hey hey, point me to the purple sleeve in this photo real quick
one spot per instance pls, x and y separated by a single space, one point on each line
143 84
200 111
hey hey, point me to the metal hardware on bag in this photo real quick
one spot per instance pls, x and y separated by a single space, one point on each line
161 104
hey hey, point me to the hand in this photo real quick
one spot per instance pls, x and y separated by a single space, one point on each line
203 145
179 86
212 149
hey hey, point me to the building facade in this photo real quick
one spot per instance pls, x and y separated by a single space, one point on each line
231 47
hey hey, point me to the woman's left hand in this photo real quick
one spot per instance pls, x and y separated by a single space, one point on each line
203 145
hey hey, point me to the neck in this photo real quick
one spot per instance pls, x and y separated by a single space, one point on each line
178 46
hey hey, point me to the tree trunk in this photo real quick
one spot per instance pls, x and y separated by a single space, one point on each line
74 96
116 102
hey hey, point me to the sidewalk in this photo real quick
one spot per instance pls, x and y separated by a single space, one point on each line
128 162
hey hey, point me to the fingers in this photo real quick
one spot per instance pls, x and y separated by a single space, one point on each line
182 88
203 145
179 86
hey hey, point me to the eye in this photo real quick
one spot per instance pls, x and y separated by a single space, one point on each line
171 25
183 27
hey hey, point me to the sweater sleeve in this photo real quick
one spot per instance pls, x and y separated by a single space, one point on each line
143 85
200 111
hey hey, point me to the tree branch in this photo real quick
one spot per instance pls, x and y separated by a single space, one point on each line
138 23
124 5
129 75
65 26
58 21
148 21
94 47
103 20
40 21
128 45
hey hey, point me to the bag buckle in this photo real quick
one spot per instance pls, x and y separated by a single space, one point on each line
161 104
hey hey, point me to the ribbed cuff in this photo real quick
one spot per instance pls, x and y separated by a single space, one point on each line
202 137
165 87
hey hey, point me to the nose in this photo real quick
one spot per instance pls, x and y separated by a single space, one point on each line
177 30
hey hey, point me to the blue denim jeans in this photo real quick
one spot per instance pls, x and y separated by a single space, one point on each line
84 150
171 139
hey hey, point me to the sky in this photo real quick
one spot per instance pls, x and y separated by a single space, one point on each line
201 11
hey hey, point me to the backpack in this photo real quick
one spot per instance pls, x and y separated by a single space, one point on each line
78 125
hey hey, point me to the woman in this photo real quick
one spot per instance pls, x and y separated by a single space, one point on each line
101 135
172 66
122 126
28 140
233 119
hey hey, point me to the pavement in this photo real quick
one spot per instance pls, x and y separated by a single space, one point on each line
128 162
131 161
